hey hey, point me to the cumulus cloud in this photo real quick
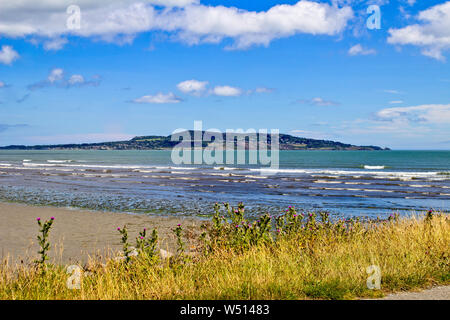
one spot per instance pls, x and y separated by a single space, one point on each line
57 77
2 84
199 88
55 44
8 55
158 98
226 91
189 21
432 34
194 87
76 79
430 113
319 102
359 50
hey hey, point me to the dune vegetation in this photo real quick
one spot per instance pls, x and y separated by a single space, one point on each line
296 255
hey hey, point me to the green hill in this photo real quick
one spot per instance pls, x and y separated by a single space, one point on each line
287 142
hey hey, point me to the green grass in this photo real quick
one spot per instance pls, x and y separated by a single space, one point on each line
290 257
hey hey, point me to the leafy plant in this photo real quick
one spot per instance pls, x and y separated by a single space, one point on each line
146 246
180 243
43 239
125 245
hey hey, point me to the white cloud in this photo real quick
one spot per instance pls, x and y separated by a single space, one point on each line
158 98
359 50
263 90
56 74
58 78
197 88
76 79
432 34
192 86
190 22
227 91
396 102
173 3
8 55
2 84
55 44
429 113
319 102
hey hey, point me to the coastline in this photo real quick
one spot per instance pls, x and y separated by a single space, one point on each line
77 234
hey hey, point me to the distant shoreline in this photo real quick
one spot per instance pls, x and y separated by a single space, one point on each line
286 142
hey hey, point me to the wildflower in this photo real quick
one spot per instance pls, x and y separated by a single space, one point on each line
179 225
141 237
38 219
52 218
118 229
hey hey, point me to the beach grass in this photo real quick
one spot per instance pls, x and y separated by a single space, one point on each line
293 256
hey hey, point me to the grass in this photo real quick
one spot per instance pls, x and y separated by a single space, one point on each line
293 256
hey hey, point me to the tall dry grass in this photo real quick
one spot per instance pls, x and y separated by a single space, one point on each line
321 261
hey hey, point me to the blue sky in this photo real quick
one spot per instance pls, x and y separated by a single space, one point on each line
308 68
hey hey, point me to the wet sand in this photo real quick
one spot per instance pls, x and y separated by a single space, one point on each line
78 234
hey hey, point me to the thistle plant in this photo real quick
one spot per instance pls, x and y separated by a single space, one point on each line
259 231
125 245
236 231
147 246
290 222
393 217
43 239
180 243
429 215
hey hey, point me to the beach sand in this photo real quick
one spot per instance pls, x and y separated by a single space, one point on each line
78 234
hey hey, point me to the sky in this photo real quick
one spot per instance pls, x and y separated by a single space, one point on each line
335 70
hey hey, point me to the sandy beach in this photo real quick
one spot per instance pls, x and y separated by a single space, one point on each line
77 234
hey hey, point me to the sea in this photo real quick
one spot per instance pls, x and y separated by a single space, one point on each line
344 183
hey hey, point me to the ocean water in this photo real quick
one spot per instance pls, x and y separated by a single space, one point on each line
344 183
